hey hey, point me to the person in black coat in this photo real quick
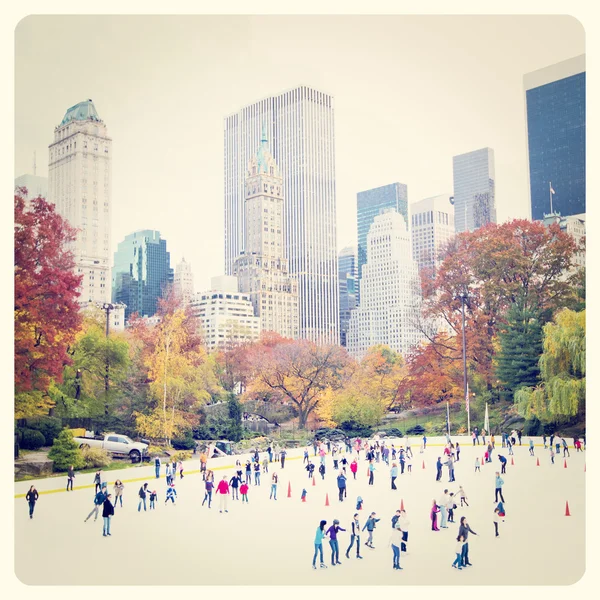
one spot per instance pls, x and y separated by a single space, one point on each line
438 466
31 497
108 510
464 529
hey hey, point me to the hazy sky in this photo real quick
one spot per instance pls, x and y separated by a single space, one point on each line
410 92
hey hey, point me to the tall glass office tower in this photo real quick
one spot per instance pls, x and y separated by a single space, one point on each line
371 203
555 103
141 272
474 189
300 126
347 271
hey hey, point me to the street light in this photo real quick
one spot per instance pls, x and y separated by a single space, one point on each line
107 308
463 298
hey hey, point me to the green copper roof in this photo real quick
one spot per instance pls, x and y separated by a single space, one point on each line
83 111
263 151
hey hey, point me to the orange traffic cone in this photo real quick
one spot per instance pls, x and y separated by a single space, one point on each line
584 467
401 504
423 464
289 489
537 462
326 499
565 463
314 482
512 461
567 512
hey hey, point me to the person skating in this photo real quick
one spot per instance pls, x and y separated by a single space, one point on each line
404 523
395 518
208 490
244 492
435 509
394 475
510 445
32 497
118 490
402 461
265 465
319 536
234 484
396 543
274 481
354 537
157 466
463 497
256 473
310 468
565 448
97 481
99 499
450 506
371 472
438 466
442 505
457 451
142 496
552 455
499 484
180 469
248 473
168 473
171 494
333 542
457 564
108 510
531 451
370 527
305 458
463 530
203 461
519 434
496 511
153 499
354 468
477 465
545 440
282 456
322 470
70 478
503 461
450 464
223 491
344 462
270 453
341 483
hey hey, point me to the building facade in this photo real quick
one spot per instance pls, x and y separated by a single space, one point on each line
389 311
141 272
574 225
262 269
225 316
79 184
474 189
300 125
369 204
348 275
432 227
183 282
555 121
116 315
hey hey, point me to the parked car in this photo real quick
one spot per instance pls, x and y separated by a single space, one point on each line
116 444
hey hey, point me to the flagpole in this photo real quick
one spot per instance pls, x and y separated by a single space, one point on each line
448 416
550 190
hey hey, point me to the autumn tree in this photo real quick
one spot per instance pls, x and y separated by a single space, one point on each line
493 268
46 310
561 394
297 371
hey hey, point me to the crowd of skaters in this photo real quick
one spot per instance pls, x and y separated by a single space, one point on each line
374 452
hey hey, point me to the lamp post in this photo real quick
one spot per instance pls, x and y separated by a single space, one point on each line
107 308
463 298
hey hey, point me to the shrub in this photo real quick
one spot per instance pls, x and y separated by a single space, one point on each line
181 456
185 443
393 432
31 439
65 452
532 427
96 457
49 427
416 430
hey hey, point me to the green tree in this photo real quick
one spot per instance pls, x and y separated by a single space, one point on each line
520 339
562 366
65 452
234 411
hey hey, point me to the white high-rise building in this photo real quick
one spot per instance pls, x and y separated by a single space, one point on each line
574 225
183 282
79 184
262 269
390 300
474 189
225 316
432 227
300 125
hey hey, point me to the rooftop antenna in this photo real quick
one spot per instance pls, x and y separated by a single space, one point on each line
34 164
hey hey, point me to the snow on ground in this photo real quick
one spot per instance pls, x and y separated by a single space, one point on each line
271 543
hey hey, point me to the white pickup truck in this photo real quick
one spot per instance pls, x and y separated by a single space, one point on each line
115 443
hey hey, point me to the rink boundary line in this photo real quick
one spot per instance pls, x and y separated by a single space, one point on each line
134 479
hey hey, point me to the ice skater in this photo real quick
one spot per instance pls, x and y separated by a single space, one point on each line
499 484
370 527
435 509
395 543
354 537
319 536
32 497
333 542
171 494
463 531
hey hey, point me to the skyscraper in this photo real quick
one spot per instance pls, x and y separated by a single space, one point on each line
262 269
79 184
36 185
299 124
369 204
141 273
183 281
389 308
555 106
432 226
474 189
347 275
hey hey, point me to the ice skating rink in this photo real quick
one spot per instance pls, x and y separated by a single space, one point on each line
271 542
